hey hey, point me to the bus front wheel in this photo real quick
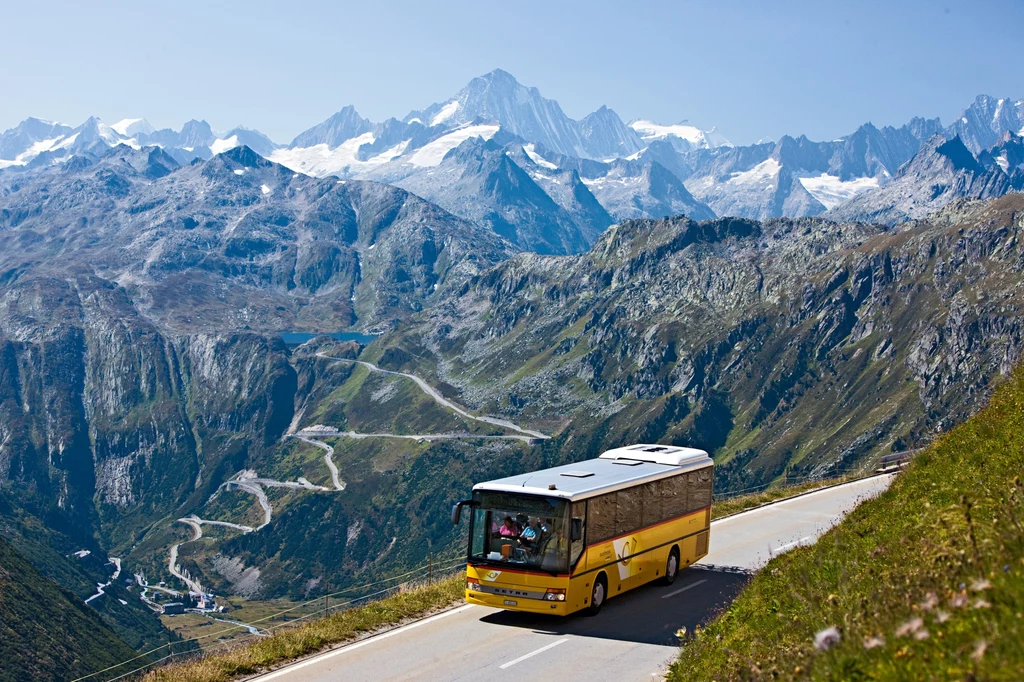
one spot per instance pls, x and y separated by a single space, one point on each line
671 566
598 595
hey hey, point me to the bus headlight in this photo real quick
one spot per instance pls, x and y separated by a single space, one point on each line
473 584
554 595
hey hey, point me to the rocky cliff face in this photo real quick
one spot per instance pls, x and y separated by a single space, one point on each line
942 171
237 242
788 345
140 311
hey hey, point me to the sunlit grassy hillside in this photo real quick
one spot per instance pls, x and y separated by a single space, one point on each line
925 582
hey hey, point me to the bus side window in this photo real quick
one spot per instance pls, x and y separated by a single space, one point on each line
653 511
629 510
699 489
601 518
674 497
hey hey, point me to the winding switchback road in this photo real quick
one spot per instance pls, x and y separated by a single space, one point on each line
633 638
336 433
328 458
100 587
438 398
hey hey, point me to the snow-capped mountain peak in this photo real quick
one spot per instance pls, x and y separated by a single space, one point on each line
684 135
131 127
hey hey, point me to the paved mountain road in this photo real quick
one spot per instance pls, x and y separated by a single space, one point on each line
438 398
633 638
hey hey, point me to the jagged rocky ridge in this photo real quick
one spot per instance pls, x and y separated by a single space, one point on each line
786 346
236 242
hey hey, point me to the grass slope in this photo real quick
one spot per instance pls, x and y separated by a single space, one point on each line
47 633
925 582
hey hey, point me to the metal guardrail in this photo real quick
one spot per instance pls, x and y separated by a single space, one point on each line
891 460
897 459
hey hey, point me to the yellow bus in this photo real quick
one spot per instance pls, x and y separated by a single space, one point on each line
565 539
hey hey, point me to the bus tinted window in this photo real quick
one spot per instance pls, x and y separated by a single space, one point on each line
601 518
653 510
699 484
674 497
628 510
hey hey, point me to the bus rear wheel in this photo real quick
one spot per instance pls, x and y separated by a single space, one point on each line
598 595
671 567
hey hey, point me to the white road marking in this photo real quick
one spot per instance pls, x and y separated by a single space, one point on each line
533 653
683 589
790 545
390 633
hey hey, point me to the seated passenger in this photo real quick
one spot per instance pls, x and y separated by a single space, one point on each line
508 529
530 535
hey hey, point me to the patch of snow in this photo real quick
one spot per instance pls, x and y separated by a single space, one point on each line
130 127
762 172
371 247
433 152
531 151
649 130
221 146
447 111
36 149
322 160
82 553
1003 162
830 191
264 189
416 120
239 171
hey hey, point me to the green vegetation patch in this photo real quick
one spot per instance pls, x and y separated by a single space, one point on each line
924 582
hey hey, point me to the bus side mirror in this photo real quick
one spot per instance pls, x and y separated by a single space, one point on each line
576 533
457 511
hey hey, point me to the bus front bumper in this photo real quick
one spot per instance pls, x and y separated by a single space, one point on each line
517 604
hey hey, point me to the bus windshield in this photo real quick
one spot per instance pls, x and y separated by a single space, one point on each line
524 530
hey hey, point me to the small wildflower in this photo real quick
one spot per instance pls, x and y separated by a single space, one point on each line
921 635
980 604
681 633
958 601
910 627
797 670
930 602
979 651
941 616
827 638
1006 568
873 642
980 585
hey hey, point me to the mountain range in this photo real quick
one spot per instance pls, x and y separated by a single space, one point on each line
573 178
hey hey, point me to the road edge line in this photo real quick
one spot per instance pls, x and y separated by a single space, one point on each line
345 646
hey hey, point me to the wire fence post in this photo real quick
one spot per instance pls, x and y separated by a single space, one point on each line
430 570
327 597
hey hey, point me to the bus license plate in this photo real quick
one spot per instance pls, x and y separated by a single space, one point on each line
511 602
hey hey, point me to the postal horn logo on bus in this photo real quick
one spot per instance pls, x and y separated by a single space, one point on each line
625 549
492 576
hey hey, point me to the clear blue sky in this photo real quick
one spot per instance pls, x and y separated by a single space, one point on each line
754 69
